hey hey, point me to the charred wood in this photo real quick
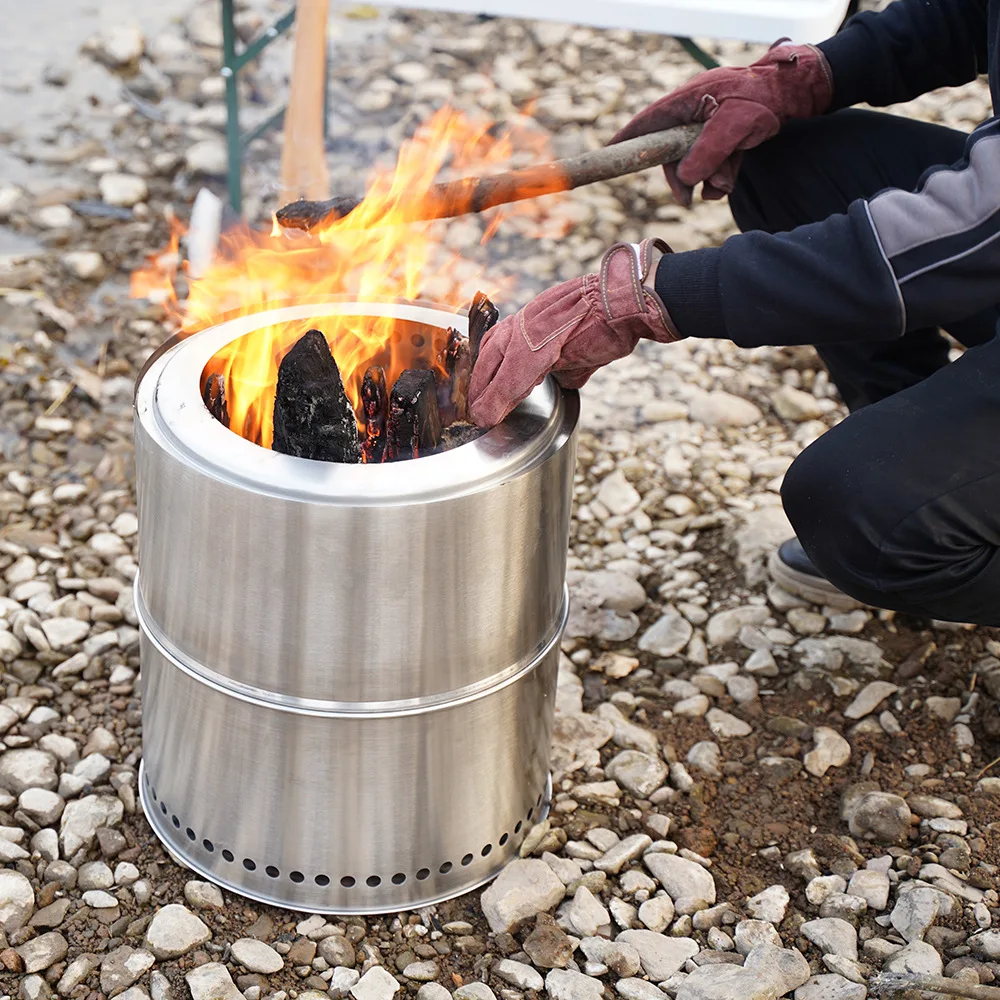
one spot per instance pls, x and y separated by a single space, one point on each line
482 317
313 417
453 392
215 398
375 407
414 424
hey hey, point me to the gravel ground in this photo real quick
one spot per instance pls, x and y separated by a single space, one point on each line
753 797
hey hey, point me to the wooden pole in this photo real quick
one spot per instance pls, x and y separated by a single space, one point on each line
304 173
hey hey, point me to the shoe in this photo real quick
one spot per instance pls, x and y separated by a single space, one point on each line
793 571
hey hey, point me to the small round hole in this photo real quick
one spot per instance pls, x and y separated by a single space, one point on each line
272 871
531 812
163 808
398 879
486 850
228 855
517 829
467 860
538 801
445 868
423 873
208 845
348 882
373 881
504 839
176 822
250 866
153 792
322 879
296 876
190 834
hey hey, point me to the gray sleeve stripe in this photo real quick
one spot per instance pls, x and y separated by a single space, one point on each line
892 273
951 202
950 260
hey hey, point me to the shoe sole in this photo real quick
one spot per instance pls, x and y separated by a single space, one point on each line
810 588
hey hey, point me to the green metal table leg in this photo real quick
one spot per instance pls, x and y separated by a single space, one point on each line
697 52
234 145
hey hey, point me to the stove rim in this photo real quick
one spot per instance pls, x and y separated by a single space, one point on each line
170 409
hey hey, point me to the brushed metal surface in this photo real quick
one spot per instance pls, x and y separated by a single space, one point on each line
348 671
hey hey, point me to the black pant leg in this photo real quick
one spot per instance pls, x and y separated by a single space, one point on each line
899 504
816 168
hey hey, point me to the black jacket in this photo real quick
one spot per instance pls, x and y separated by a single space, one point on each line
899 261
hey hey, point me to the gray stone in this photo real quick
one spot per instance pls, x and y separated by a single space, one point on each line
987 945
724 626
622 853
344 978
795 405
174 931
422 972
123 967
933 807
123 190
668 635
657 912
683 880
524 977
917 957
869 698
830 987
564 984
882 817
207 157
119 45
212 982
661 956
43 806
256 956
336 951
707 757
375 984
722 409
872 886
638 989
159 986
205 896
76 972
770 904
617 494
44 951
640 773
523 889
831 750
94 875
33 988
586 913
619 956
751 933
97 899
474 991
786 966
17 900
28 768
82 818
832 936
726 726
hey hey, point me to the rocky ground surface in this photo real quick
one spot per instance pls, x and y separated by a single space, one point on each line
752 797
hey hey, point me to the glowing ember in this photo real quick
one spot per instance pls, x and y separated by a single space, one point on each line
369 256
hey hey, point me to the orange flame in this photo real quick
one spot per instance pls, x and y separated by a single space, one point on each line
370 255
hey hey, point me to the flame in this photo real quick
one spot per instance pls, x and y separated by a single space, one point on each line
372 254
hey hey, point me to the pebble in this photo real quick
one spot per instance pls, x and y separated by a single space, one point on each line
375 984
205 896
123 967
17 900
751 933
657 912
617 494
832 936
123 190
41 805
82 818
174 931
618 956
523 889
565 984
256 956
916 909
640 773
638 989
27 768
668 635
660 956
871 886
869 698
586 913
42 952
831 750
830 987
120 45
882 817
722 409
796 405
917 958
212 981
770 904
688 884
724 626
518 974
88 265
207 157
726 726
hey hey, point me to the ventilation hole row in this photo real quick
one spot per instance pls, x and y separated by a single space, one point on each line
347 881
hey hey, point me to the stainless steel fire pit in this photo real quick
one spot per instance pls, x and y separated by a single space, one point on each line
348 670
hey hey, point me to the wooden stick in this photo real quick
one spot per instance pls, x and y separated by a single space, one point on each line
888 984
304 173
477 194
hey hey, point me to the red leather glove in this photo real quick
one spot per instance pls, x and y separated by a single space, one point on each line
741 108
570 330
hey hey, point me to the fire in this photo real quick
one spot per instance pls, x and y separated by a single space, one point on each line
373 254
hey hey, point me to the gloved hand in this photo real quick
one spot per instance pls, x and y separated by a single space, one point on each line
570 330
741 108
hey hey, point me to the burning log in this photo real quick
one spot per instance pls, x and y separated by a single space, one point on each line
313 417
375 404
482 317
414 425
454 390
215 398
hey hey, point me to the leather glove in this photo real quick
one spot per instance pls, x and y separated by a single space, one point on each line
741 108
570 330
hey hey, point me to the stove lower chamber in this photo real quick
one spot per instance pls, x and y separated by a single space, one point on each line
348 671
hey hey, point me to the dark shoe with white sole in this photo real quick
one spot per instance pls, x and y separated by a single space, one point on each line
792 570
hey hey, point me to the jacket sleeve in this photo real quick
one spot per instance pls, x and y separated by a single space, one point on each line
908 49
901 261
